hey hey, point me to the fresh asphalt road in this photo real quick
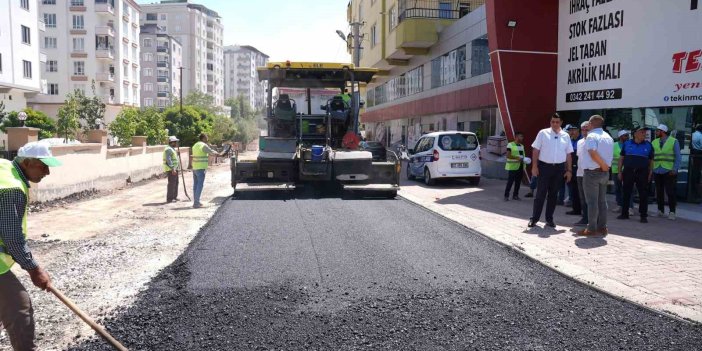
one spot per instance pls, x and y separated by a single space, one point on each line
309 273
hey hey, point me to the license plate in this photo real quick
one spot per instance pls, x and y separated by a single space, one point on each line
459 165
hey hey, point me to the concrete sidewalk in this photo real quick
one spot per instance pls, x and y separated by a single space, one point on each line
655 264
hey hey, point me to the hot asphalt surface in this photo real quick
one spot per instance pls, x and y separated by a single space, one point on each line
308 273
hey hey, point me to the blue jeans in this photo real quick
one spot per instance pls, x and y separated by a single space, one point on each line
198 184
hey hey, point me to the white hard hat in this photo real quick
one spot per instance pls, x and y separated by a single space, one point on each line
172 138
527 160
663 127
622 133
39 151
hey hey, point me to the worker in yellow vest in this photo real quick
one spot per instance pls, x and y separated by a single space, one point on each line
666 163
16 314
201 153
171 166
622 136
515 165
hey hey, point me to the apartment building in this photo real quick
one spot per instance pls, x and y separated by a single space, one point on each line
240 75
161 58
199 31
434 66
20 55
90 41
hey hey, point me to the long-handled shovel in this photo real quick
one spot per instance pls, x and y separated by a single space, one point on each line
182 175
100 330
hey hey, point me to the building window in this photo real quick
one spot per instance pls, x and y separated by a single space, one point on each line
445 10
480 57
148 72
78 68
24 4
161 103
148 102
151 16
26 35
374 35
50 20
177 28
164 17
79 87
78 22
48 2
393 17
148 87
148 57
463 9
52 66
27 69
53 89
147 42
449 68
78 44
77 3
50 43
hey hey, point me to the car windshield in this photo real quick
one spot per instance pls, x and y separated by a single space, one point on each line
458 142
373 144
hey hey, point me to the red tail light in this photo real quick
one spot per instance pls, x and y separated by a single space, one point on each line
436 155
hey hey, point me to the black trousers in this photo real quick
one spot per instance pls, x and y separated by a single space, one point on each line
514 177
575 194
550 181
696 173
635 177
172 192
665 184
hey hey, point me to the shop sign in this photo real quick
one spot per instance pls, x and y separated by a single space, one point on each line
629 54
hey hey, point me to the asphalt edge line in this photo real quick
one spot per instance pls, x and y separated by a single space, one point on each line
563 274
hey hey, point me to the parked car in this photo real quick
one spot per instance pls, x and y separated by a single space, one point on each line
375 148
449 154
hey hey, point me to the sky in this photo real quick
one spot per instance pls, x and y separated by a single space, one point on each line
295 30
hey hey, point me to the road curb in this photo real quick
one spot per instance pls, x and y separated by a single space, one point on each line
563 274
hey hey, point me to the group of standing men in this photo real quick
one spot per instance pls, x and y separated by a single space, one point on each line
560 153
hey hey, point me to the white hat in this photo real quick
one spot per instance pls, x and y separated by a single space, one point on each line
172 138
622 133
39 151
663 127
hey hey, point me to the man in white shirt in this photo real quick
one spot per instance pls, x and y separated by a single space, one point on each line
552 163
595 164
580 151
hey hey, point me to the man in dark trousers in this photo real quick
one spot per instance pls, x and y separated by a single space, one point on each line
170 166
666 163
636 168
574 133
551 163
515 165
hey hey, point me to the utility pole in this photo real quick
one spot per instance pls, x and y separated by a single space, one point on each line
355 88
181 90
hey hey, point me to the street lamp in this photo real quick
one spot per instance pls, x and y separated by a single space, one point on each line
22 116
341 35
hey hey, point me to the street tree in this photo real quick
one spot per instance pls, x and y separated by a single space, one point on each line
188 125
123 128
35 119
201 101
151 123
223 129
68 122
92 110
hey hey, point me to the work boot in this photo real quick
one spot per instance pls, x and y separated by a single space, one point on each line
671 216
643 220
661 213
623 216
529 194
506 198
516 198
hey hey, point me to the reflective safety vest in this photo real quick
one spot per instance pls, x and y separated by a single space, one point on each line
174 157
516 150
200 156
11 179
615 160
664 157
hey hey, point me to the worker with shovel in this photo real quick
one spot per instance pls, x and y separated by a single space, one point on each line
170 166
16 314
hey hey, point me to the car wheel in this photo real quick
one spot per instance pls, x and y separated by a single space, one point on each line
474 180
428 180
410 176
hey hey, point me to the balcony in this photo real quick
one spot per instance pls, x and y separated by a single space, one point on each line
163 48
163 64
162 79
105 30
42 26
105 53
105 77
104 7
162 94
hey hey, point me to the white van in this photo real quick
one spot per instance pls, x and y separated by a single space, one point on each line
450 154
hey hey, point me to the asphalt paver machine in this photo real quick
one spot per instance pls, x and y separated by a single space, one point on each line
302 148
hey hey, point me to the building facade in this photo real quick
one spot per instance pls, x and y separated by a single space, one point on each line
435 72
20 56
199 31
90 42
161 58
241 77
629 71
